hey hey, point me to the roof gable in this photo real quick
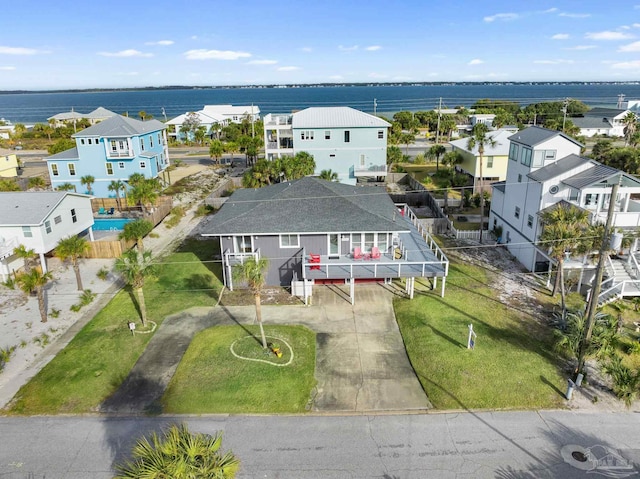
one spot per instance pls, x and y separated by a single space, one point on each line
501 148
335 117
118 126
30 208
534 135
557 168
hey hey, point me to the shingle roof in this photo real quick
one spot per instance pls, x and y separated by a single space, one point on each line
602 112
306 205
121 126
29 208
71 154
335 117
534 135
99 113
591 122
501 148
68 115
499 185
560 167
230 110
596 174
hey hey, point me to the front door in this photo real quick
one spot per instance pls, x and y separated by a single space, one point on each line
334 245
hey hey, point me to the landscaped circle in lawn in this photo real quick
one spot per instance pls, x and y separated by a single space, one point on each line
249 348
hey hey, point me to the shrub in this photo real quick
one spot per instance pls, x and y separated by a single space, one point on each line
54 313
5 355
102 273
204 210
626 383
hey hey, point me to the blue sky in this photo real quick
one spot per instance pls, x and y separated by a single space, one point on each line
134 43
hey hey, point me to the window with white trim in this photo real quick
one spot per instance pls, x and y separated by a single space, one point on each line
109 168
74 218
380 134
489 161
306 135
289 241
150 141
517 212
143 164
54 169
526 157
121 165
141 144
530 221
82 141
47 226
26 232
89 141
519 178
513 152
347 136
57 220
327 134
72 169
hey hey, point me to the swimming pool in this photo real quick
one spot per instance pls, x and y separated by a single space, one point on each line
110 224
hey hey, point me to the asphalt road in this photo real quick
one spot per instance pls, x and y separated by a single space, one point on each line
504 445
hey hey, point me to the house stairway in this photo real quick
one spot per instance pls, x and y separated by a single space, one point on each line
623 279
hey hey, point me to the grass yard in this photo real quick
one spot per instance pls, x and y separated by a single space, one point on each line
210 379
513 365
101 355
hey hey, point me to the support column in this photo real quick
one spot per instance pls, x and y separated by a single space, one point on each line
91 233
43 262
435 283
412 284
352 290
444 280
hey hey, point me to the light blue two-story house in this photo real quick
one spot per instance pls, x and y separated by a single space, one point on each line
341 139
113 149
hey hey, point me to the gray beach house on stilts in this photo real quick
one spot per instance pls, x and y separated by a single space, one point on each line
317 232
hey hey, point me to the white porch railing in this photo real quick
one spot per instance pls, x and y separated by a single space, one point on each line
433 246
7 247
231 259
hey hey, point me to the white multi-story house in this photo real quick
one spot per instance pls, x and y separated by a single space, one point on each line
545 168
39 220
346 141
213 115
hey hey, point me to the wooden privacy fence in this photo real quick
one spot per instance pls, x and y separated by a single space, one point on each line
108 249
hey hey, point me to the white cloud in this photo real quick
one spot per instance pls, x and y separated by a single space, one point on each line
161 42
608 35
631 47
574 15
18 51
632 65
553 62
501 16
128 74
377 75
126 53
336 77
288 69
262 62
581 47
7 68
348 49
560 36
373 48
202 54
550 10
306 49
636 25
402 78
476 61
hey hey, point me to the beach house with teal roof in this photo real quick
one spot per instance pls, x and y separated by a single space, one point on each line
113 149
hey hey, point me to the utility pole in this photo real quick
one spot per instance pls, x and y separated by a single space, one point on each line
565 107
438 127
253 131
620 100
375 106
597 282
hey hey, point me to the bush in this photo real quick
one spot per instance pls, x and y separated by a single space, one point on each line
204 210
102 273
626 383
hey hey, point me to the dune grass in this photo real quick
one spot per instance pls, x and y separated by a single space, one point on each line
210 379
513 365
101 355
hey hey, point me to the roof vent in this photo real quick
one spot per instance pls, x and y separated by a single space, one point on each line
554 189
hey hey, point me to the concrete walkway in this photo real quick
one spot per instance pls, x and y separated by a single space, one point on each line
361 363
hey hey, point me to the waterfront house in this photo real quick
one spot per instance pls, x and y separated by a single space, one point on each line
341 139
544 169
8 166
602 121
315 231
69 117
39 220
495 159
212 117
113 149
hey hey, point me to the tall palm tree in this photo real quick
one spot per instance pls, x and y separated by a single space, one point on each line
117 186
136 179
562 229
88 181
180 454
328 175
143 193
136 230
394 156
27 255
216 150
630 122
231 147
35 280
479 137
253 272
72 248
66 187
135 267
435 152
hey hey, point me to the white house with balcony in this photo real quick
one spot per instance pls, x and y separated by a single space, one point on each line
341 139
39 220
544 169
213 116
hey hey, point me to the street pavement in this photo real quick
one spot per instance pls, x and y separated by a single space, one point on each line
503 445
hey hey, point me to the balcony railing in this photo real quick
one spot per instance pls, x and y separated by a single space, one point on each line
7 247
121 154
370 170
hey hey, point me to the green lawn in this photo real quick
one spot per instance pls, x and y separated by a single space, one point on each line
210 379
513 364
101 355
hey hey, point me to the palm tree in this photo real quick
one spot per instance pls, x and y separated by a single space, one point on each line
328 175
630 122
72 248
253 272
435 152
216 149
231 147
66 187
480 139
180 454
142 114
27 255
117 186
35 280
88 180
136 179
136 230
143 193
562 228
394 156
37 182
135 267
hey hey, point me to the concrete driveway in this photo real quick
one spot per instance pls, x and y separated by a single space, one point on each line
361 362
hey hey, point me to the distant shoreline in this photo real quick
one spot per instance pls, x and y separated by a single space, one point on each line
315 85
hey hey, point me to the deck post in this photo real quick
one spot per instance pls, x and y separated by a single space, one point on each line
435 282
444 279
43 262
352 290
412 284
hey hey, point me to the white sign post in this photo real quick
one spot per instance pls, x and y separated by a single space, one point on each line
132 327
471 341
